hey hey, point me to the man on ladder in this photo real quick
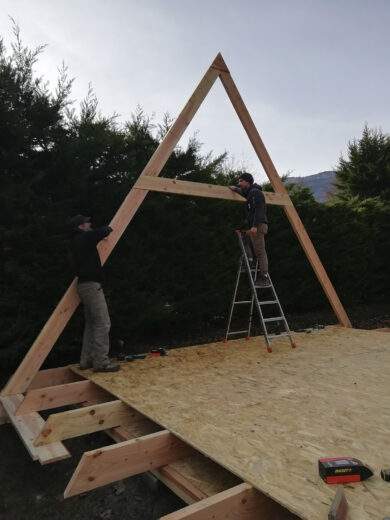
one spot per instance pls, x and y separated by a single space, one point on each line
256 210
259 279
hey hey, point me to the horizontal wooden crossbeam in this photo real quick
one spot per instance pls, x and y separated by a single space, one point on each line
28 427
241 502
89 419
105 465
61 395
200 189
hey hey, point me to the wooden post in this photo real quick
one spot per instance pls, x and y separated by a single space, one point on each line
279 187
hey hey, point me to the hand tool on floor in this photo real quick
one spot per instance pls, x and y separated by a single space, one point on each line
339 507
158 352
133 357
340 470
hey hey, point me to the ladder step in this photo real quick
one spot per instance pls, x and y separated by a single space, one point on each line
270 336
268 302
238 332
278 318
242 301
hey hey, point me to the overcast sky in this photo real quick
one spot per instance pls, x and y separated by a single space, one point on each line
311 72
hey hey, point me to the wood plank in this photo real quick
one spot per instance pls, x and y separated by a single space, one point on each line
61 395
28 427
226 400
203 190
41 347
239 503
89 419
53 377
279 187
105 465
172 478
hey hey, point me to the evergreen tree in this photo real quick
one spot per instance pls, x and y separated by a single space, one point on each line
365 172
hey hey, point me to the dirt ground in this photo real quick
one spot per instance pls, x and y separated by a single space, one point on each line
30 491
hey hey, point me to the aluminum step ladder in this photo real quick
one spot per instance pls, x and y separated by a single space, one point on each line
258 289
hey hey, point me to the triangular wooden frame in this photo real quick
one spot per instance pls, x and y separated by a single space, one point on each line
45 341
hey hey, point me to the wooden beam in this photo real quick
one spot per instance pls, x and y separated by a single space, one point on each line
172 478
180 485
38 352
279 187
241 502
61 395
199 189
53 377
89 419
105 465
28 427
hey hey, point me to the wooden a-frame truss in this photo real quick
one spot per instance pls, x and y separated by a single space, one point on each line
148 181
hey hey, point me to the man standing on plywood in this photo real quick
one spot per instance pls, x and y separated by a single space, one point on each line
256 211
88 268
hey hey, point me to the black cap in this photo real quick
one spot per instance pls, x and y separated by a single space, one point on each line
77 220
246 177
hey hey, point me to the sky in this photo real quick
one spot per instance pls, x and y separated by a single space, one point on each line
312 73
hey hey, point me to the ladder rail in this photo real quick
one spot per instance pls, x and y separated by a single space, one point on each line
252 275
234 298
252 284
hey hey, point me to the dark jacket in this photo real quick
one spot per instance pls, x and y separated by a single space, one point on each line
256 208
85 259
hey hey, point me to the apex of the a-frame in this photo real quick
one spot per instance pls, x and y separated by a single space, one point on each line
219 63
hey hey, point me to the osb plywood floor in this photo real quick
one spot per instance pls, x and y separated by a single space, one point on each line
269 417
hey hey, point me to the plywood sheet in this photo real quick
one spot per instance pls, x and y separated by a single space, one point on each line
269 417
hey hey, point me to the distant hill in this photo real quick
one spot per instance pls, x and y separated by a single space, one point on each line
321 184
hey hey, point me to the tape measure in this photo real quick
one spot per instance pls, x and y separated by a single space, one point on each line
340 470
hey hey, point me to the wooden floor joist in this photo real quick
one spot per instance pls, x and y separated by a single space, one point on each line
53 377
200 189
105 465
89 419
239 503
28 427
61 395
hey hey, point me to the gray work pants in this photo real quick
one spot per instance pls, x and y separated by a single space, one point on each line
96 340
258 243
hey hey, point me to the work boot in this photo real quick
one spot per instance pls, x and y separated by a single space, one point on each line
85 366
262 281
110 367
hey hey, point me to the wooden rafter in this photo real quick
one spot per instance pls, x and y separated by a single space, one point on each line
105 465
38 352
279 187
